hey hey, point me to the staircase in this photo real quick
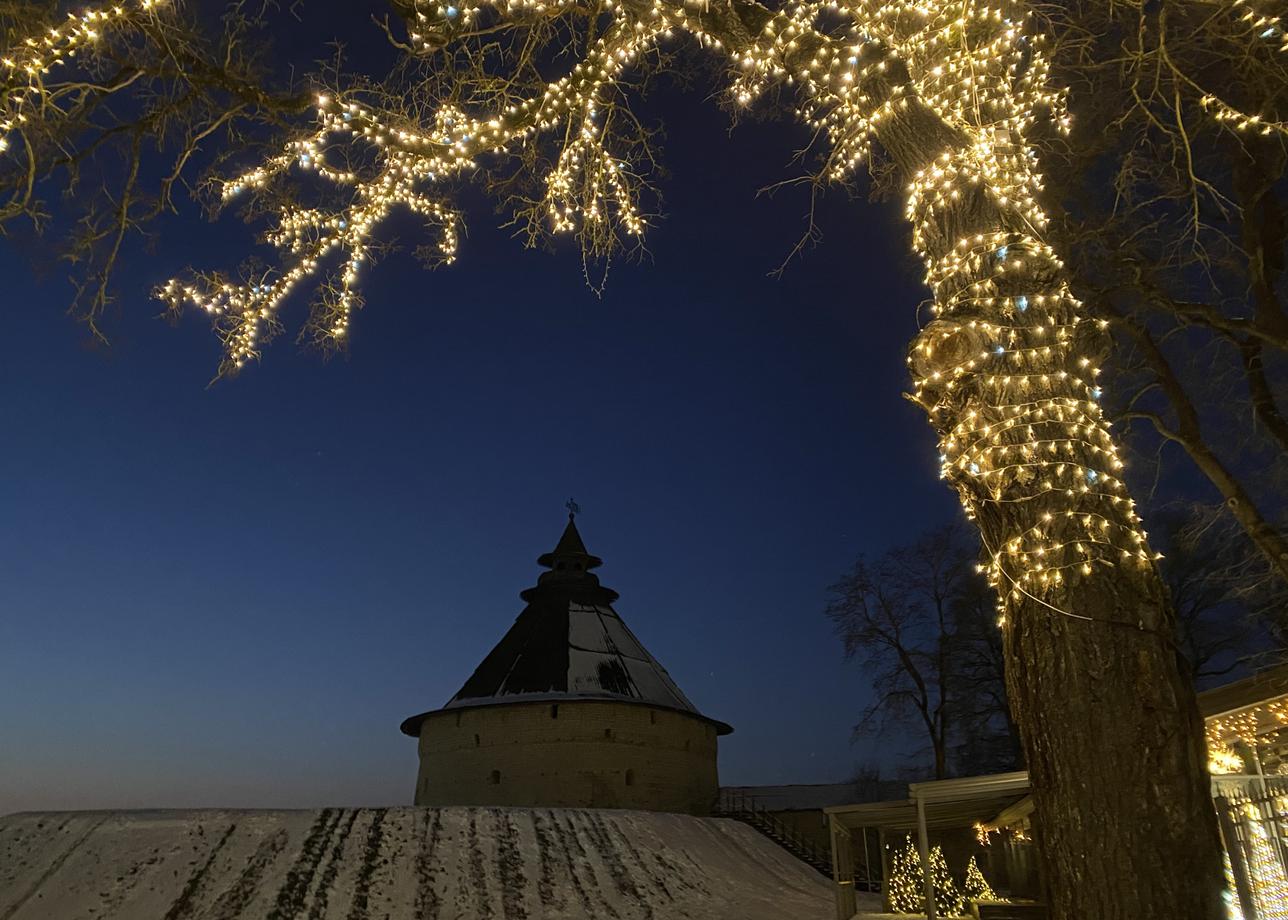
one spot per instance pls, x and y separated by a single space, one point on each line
744 808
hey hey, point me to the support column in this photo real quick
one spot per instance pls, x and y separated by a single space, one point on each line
885 871
923 846
842 869
1227 820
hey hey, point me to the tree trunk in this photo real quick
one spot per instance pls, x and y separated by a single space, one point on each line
1109 722
1128 828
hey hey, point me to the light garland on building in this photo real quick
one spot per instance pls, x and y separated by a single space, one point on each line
1223 760
1247 726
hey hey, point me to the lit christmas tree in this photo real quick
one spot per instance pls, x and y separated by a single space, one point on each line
948 900
907 890
907 884
977 887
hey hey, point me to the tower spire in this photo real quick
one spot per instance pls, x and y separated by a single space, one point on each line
569 562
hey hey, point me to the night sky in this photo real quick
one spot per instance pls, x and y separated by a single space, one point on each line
232 595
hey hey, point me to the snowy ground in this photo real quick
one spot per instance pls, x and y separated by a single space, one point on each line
422 863
870 908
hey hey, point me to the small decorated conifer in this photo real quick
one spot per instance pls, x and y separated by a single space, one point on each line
907 891
977 887
907 884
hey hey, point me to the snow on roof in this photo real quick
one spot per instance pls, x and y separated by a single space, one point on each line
569 642
371 863
559 647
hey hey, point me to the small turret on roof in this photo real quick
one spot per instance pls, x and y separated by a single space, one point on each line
569 643
570 564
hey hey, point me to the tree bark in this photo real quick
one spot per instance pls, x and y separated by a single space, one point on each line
1109 721
1128 828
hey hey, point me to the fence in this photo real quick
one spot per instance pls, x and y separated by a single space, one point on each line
735 803
1253 812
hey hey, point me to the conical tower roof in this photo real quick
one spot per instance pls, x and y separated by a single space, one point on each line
569 644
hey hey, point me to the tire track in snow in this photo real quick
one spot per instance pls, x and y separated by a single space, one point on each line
323 894
295 889
547 891
370 853
561 838
478 867
510 864
584 859
658 880
694 881
182 905
428 903
52 868
237 895
617 868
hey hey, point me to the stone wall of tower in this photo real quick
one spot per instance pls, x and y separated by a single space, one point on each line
574 753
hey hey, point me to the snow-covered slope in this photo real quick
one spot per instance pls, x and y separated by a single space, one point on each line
395 863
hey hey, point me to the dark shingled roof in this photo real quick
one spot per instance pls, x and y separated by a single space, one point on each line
569 643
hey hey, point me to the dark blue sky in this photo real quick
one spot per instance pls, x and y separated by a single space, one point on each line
232 596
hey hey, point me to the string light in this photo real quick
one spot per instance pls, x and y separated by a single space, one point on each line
23 68
1247 724
1265 863
976 887
586 184
907 882
906 888
1008 366
1007 369
1223 760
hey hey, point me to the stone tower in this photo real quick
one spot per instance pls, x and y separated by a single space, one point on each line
568 710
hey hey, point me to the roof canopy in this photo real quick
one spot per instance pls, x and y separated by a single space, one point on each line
948 803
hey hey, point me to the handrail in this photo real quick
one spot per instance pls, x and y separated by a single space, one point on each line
738 802
742 802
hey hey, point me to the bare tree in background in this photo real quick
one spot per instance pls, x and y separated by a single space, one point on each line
987 740
1229 608
1173 181
920 619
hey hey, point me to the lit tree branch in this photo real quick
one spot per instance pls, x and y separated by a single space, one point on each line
1006 370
